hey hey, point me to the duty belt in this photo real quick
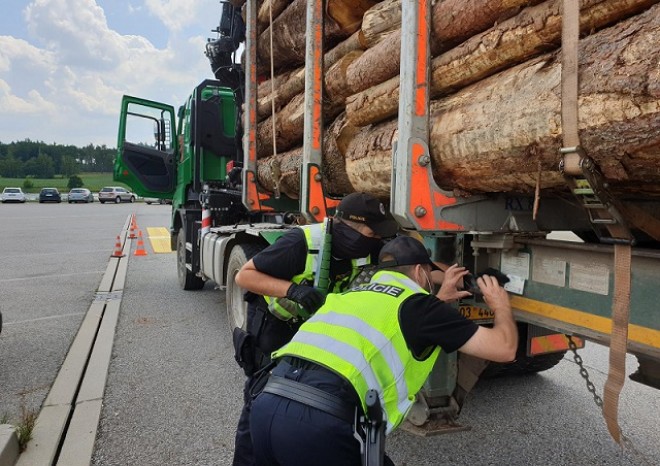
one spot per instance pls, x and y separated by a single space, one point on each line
311 396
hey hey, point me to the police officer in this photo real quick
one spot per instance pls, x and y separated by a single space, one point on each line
281 292
385 335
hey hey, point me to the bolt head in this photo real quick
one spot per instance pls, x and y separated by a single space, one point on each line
420 211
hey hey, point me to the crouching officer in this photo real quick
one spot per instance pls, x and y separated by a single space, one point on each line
283 289
384 336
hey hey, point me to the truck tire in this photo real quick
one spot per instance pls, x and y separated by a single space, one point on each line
236 306
187 279
523 365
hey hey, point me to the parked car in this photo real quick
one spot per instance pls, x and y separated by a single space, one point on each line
12 195
155 200
115 194
49 195
80 195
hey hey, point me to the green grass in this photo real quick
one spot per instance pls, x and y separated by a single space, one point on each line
92 181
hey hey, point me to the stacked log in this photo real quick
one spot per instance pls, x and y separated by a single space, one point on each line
495 82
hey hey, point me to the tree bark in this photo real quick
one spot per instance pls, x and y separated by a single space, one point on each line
348 13
534 31
282 171
380 20
454 21
263 15
336 84
289 84
335 177
289 31
289 125
491 136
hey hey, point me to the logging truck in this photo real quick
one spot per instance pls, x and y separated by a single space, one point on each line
483 128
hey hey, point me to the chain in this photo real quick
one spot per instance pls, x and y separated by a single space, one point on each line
626 443
584 373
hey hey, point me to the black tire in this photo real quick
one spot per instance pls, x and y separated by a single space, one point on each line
148 202
187 279
523 365
102 202
132 199
117 200
236 306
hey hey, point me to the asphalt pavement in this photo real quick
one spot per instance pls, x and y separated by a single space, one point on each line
173 391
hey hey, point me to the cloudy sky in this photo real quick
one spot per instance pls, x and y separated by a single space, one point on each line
64 64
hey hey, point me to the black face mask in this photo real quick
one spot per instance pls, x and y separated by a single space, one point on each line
348 243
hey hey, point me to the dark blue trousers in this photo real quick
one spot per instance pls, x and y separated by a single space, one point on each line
288 433
269 334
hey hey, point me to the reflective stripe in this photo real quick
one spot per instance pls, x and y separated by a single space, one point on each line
407 282
284 309
379 341
349 354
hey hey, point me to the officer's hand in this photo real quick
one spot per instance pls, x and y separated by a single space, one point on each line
450 289
307 296
494 295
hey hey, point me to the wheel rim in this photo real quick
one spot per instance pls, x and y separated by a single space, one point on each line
181 260
236 307
117 200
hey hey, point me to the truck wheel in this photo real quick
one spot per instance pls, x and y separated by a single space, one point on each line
187 279
523 365
236 306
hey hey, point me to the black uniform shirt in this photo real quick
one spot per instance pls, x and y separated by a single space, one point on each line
427 322
286 258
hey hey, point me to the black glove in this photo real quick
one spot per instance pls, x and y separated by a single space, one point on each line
307 296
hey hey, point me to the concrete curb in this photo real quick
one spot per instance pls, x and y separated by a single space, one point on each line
8 445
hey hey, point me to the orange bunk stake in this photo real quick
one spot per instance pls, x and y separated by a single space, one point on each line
118 250
140 251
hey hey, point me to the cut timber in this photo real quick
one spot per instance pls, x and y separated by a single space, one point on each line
282 172
528 34
491 136
289 31
289 126
348 13
288 85
264 13
336 85
380 20
454 21
335 178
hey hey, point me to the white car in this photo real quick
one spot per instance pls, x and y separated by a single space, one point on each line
80 195
12 195
115 194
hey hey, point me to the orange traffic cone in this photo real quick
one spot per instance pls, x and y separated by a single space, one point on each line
118 250
140 251
133 227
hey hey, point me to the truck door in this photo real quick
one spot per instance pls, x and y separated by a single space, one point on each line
146 148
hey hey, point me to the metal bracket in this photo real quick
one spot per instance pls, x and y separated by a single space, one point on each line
591 190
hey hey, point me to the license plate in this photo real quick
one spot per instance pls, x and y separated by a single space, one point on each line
475 313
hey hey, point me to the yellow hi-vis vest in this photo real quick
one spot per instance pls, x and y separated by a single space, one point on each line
357 335
285 309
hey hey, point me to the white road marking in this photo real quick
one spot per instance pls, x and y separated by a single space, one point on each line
43 318
32 277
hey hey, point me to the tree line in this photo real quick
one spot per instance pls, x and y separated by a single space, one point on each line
40 160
